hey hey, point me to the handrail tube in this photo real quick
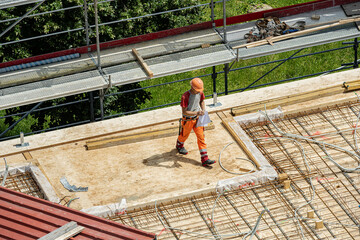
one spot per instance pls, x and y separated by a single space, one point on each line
53 11
47 108
25 115
273 69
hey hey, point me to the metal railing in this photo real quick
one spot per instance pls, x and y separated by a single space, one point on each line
214 75
227 70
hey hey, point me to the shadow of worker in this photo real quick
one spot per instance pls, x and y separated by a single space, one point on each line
169 160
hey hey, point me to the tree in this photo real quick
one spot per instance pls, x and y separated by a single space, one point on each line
73 19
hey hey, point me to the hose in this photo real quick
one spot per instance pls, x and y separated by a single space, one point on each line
242 173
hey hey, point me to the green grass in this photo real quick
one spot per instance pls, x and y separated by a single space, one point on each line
242 78
239 7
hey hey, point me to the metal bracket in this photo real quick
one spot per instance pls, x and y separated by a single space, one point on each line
109 85
22 143
215 103
72 188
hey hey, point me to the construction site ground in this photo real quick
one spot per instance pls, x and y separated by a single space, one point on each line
144 166
150 169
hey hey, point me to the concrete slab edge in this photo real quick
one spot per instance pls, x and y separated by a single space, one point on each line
116 208
266 173
39 177
44 184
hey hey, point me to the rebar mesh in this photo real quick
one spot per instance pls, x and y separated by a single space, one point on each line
317 186
24 183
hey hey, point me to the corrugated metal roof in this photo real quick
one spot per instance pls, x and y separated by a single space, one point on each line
24 217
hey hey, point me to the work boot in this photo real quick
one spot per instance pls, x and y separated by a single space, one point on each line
208 162
182 151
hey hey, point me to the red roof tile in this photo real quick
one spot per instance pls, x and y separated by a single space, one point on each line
26 217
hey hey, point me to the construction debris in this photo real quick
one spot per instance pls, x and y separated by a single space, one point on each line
292 34
271 27
315 17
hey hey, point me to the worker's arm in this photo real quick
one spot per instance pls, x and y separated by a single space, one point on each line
202 105
193 113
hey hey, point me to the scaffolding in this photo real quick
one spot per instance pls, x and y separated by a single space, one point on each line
222 51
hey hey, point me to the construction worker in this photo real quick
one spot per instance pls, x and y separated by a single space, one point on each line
193 106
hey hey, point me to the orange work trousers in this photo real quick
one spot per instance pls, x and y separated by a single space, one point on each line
186 127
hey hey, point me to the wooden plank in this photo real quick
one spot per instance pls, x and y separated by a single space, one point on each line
272 103
142 63
27 155
205 45
351 86
289 99
328 90
71 233
269 40
298 33
224 114
108 142
322 106
241 143
64 232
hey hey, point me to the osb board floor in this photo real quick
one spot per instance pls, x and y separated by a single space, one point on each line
138 172
147 170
